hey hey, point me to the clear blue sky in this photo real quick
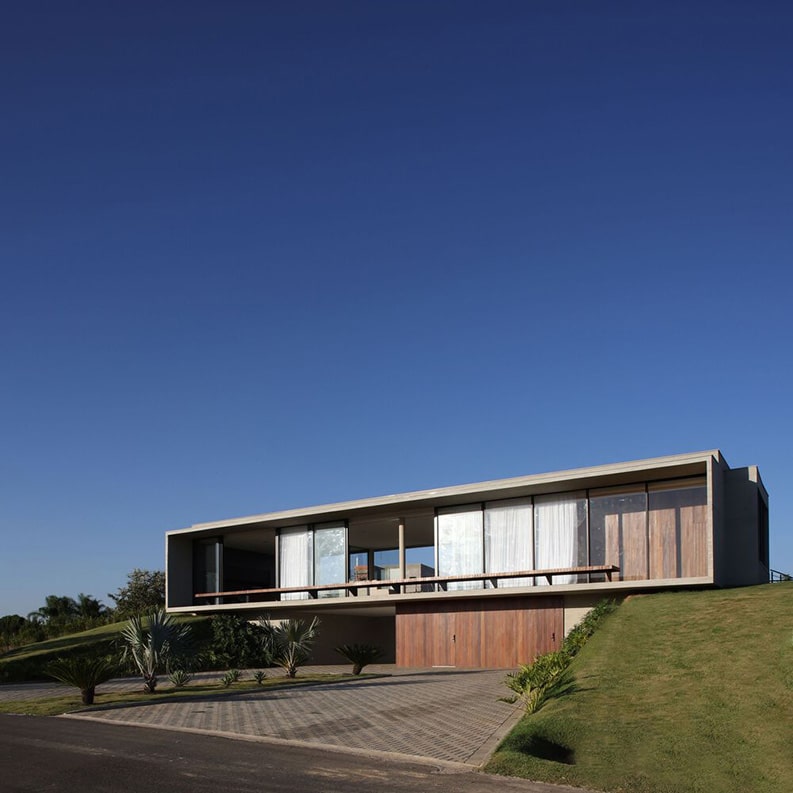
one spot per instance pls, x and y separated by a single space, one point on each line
266 255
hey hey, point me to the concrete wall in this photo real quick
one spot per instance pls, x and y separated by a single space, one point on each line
576 607
739 562
179 571
716 470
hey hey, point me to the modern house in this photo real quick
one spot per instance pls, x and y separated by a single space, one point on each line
480 575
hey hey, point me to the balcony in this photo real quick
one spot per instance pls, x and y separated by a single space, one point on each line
429 584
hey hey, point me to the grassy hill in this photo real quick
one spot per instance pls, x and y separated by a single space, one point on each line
687 692
28 662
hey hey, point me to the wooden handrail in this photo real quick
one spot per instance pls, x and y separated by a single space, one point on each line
397 584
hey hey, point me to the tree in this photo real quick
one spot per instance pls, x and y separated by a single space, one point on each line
57 611
11 626
153 642
89 609
144 592
359 655
292 641
83 673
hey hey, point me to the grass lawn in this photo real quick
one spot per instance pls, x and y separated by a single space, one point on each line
70 702
29 661
687 692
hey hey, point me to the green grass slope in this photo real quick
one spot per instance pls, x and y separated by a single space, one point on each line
28 662
686 692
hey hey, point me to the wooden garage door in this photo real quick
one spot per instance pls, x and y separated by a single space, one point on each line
485 633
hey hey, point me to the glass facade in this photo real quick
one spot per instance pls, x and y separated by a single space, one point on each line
509 539
656 530
653 530
330 553
618 532
460 544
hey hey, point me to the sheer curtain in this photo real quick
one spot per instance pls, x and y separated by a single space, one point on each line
556 535
509 539
295 552
460 544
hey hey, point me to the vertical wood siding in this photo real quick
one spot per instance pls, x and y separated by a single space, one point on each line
478 633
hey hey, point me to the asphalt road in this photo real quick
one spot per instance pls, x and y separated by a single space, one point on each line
51 754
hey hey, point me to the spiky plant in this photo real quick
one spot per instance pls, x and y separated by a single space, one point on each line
152 641
179 678
535 683
83 673
292 642
359 655
259 676
231 677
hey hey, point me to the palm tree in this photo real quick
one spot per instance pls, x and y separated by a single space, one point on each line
89 608
83 673
359 655
153 641
293 640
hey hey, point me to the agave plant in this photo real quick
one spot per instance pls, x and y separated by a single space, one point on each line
292 641
359 655
153 641
231 677
83 673
179 678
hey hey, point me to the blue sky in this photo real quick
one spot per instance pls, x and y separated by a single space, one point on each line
266 255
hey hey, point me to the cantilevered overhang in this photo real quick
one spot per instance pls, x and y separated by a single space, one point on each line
611 475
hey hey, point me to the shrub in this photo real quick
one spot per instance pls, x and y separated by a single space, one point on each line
231 677
82 672
236 642
535 683
292 643
580 634
548 675
259 677
359 655
179 678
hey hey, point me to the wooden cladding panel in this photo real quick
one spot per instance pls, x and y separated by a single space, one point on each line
478 633
663 543
626 545
634 546
693 541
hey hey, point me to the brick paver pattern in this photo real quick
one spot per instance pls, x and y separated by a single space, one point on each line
443 715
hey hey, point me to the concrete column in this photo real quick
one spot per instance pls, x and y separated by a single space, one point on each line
402 566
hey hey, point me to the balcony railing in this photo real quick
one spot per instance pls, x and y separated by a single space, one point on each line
401 586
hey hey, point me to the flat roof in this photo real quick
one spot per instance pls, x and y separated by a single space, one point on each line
601 475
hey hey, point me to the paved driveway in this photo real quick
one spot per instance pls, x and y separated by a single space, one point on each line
439 714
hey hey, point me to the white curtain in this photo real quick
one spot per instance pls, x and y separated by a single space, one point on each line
556 535
460 544
509 539
295 560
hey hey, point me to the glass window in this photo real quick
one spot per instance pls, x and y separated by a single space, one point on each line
386 564
295 552
460 544
359 565
509 539
559 524
678 529
207 565
618 533
330 551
